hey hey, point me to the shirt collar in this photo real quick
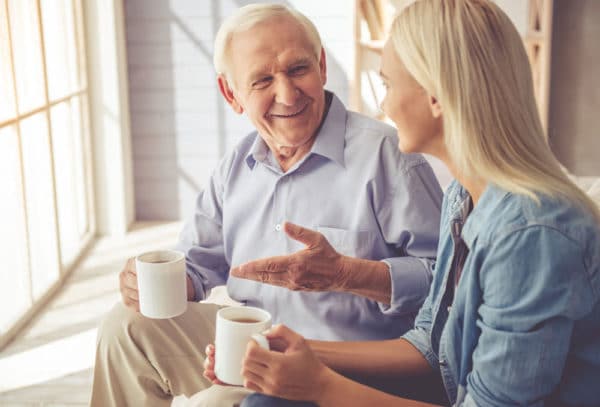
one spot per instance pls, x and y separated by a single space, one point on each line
329 143
484 210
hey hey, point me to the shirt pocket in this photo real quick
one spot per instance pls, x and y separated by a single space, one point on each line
350 242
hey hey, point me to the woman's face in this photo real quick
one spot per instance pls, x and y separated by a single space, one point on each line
417 115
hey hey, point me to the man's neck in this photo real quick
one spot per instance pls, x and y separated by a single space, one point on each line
287 157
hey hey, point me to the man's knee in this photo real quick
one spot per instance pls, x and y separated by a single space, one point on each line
261 400
118 324
126 332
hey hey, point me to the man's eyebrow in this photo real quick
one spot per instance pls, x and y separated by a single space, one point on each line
382 74
300 61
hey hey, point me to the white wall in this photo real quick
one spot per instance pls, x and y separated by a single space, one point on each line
179 124
574 122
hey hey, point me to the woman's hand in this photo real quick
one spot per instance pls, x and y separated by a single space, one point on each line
289 370
209 365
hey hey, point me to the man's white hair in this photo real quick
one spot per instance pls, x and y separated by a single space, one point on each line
247 17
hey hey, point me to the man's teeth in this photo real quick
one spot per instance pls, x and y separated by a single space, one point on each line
290 115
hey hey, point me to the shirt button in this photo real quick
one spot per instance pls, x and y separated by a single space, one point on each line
278 227
442 362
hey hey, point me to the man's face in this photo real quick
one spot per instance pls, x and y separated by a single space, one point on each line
275 77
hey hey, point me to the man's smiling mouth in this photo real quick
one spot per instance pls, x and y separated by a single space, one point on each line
287 116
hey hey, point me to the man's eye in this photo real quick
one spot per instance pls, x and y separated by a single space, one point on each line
298 70
261 83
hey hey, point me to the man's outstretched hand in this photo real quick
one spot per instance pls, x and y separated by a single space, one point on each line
318 267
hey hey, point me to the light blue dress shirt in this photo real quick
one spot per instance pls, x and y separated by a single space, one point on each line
357 189
524 327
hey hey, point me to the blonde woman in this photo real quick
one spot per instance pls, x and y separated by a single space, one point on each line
513 315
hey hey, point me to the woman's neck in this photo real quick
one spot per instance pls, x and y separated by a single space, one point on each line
474 186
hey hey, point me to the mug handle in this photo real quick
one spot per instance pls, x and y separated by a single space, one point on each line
261 340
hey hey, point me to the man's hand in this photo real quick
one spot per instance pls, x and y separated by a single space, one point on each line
128 285
316 268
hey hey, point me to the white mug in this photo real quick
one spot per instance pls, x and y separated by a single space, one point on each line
235 327
162 284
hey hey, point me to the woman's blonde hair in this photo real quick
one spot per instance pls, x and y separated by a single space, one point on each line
250 15
470 57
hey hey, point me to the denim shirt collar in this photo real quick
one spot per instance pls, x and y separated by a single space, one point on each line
329 143
487 204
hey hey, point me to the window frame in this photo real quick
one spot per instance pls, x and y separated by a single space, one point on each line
81 94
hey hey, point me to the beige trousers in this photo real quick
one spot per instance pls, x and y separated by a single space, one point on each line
146 362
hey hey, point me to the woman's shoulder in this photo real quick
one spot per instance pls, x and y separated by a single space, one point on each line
560 221
515 212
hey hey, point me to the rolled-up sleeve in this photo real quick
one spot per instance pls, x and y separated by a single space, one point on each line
410 220
420 335
420 339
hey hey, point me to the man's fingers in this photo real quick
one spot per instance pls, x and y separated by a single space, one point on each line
128 285
129 303
131 294
255 270
131 280
307 236
130 265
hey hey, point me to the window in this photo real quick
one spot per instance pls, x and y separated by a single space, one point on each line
46 217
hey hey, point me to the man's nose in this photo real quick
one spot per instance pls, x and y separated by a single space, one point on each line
286 91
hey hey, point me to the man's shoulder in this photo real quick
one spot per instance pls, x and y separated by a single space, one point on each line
371 134
376 137
360 123
244 145
236 154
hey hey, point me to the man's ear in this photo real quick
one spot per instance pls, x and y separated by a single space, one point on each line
228 94
436 108
323 66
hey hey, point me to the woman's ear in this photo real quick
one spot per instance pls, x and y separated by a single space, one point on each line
228 94
436 108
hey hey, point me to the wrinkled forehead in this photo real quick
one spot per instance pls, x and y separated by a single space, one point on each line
269 35
277 41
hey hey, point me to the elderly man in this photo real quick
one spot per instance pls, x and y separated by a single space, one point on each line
359 270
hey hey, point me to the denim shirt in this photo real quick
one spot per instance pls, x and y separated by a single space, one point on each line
524 325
